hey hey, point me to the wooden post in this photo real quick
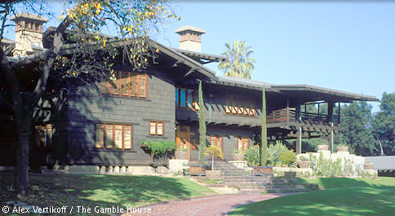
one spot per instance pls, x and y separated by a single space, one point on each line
287 109
330 119
299 134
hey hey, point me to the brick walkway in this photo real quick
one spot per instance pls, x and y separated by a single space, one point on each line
206 206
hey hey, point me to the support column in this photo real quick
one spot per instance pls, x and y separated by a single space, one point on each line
287 109
330 120
298 146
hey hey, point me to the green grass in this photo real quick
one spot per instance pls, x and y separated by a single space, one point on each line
342 196
102 190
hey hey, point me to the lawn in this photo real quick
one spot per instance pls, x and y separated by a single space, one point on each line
341 196
103 190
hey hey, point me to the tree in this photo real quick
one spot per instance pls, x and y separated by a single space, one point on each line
239 63
264 129
84 20
202 126
356 126
384 124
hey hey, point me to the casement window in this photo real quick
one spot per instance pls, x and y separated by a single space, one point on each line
128 84
156 128
186 99
242 144
216 141
43 136
113 136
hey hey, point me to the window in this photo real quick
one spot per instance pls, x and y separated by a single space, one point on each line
43 136
216 141
242 144
156 128
127 84
113 136
186 98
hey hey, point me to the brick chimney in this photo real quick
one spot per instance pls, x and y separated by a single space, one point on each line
28 33
190 38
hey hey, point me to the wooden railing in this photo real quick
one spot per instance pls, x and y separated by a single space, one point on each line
289 115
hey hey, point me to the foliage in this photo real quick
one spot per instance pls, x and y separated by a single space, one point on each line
202 126
252 156
356 123
160 146
384 124
326 167
303 158
214 151
287 158
239 63
338 198
264 130
274 152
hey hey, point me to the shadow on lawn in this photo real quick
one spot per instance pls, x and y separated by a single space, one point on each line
103 190
343 196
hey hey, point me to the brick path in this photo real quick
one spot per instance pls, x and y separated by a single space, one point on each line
206 206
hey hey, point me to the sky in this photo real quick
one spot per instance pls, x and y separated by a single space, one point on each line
344 45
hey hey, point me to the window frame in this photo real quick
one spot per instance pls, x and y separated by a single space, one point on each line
132 78
104 145
156 123
240 141
190 94
218 139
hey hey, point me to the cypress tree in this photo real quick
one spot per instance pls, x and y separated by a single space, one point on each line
202 126
264 130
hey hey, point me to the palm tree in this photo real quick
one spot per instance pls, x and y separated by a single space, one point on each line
239 63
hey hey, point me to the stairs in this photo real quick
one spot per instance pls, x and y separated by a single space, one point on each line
242 179
246 182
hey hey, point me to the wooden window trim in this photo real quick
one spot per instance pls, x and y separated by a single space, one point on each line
104 145
127 75
193 103
241 142
218 141
156 123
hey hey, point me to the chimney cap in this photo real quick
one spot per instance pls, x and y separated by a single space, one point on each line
29 16
189 28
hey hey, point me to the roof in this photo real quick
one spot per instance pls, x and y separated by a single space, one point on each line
243 83
34 17
202 58
382 162
322 90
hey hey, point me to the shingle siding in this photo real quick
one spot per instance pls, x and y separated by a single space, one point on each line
85 111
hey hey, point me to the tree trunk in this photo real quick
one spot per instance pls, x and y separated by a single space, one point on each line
22 160
212 163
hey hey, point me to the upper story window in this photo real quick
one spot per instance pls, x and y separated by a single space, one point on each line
186 98
113 136
128 84
238 105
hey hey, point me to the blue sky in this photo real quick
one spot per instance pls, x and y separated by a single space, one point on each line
348 46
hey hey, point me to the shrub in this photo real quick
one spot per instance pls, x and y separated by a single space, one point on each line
287 158
214 152
274 152
160 146
252 156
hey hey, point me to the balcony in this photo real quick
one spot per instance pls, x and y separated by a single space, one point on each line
289 115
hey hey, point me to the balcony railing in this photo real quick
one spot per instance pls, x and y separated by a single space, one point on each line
289 115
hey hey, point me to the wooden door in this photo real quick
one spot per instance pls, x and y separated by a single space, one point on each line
183 139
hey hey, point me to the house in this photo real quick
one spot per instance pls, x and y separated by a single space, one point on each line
161 103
